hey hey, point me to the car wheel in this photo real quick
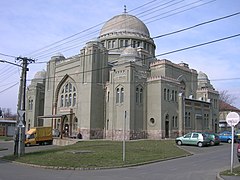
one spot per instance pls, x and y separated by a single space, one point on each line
28 144
179 143
211 143
229 141
200 144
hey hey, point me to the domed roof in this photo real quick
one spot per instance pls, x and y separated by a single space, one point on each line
202 76
40 75
125 23
130 51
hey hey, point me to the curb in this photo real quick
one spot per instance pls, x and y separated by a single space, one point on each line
218 177
94 168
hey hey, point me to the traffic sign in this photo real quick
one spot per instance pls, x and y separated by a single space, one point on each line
21 113
232 118
20 124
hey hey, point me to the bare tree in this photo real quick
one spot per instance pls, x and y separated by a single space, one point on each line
7 113
226 99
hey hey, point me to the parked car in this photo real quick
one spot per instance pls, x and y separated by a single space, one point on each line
193 138
237 132
226 136
238 151
214 138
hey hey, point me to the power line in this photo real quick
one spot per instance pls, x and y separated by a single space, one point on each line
200 24
142 6
72 47
7 55
170 52
157 8
198 45
9 87
80 32
7 84
176 12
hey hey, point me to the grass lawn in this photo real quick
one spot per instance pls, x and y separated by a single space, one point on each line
96 154
4 138
235 172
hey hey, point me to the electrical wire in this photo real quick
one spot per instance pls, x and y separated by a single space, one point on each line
7 55
68 48
198 45
9 87
194 26
170 52
78 33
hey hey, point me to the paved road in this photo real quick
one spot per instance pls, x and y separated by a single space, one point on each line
8 145
205 164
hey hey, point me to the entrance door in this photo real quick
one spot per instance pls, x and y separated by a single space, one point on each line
166 129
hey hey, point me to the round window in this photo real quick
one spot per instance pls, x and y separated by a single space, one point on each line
152 120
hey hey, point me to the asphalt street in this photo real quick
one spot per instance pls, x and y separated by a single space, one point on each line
204 164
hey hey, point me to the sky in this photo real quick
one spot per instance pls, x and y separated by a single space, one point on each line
39 29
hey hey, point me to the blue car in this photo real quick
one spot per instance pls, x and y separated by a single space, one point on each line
226 136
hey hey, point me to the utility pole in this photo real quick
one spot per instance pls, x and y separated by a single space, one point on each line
19 146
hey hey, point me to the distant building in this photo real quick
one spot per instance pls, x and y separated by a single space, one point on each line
224 109
117 84
7 127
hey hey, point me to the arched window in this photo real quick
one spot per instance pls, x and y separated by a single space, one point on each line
121 43
138 44
74 99
175 96
134 44
126 43
113 44
141 95
173 122
62 100
70 87
176 122
122 95
66 100
137 94
165 94
109 44
168 95
119 95
68 95
172 96
167 117
70 100
66 88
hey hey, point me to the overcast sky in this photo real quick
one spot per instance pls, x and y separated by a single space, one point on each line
35 28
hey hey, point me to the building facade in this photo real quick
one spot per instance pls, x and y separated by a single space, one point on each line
116 86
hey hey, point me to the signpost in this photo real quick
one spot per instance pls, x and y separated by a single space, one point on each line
232 120
21 133
124 141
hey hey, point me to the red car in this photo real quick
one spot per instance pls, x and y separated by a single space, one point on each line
238 151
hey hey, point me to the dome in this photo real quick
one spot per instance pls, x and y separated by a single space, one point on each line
125 23
40 75
202 76
130 51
